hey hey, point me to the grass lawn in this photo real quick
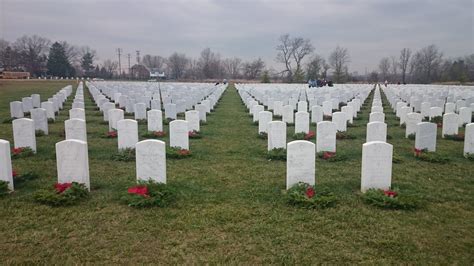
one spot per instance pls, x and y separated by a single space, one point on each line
230 207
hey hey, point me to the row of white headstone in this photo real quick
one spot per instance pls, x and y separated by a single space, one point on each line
72 161
24 129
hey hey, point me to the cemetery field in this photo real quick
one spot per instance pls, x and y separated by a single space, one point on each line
230 206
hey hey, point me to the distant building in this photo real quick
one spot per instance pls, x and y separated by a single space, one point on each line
140 71
156 74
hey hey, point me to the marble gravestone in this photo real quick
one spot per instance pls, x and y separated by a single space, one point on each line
193 120
49 107
469 140
76 129
72 161
41 121
6 163
339 119
276 135
36 100
140 111
326 136
302 122
115 115
288 114
377 117
16 109
450 124
127 134
376 131
426 136
316 114
300 163
77 113
256 109
264 118
202 112
376 165
24 133
179 134
170 111
412 119
155 120
151 160
105 108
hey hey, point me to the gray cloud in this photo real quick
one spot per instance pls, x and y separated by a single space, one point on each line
370 29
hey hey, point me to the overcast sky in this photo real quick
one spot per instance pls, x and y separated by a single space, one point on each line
370 29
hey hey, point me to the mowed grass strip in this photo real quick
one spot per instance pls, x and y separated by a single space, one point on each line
230 208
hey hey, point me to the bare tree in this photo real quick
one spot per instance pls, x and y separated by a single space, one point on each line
405 54
253 70
291 52
32 51
394 67
110 67
425 65
384 67
338 60
153 61
314 67
232 66
210 64
177 64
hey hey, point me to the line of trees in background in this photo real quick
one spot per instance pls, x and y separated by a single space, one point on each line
41 57
426 65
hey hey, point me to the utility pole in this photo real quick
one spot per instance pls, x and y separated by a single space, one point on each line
119 52
129 70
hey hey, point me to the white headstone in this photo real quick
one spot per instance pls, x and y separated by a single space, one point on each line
426 136
469 140
16 109
115 115
105 108
326 136
24 133
256 109
435 112
412 119
349 113
151 160
340 120
76 129
6 163
276 135
193 120
179 134
465 115
39 117
27 103
155 120
72 162
450 124
49 107
202 112
288 115
377 117
127 133
140 111
376 131
170 111
316 114
77 113
300 163
376 165
36 100
302 122
264 118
